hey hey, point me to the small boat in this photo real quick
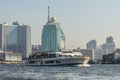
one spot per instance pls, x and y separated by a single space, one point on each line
58 59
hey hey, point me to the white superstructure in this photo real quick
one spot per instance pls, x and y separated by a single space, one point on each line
57 59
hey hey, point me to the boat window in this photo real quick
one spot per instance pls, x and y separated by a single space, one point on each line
67 51
69 56
60 56
52 55
77 55
65 55
32 61
57 61
49 62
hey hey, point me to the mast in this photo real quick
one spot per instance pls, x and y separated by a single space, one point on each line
48 15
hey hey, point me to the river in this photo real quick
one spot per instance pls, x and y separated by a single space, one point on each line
95 72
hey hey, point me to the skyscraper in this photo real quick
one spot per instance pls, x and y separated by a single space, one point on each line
92 44
16 38
109 45
24 40
53 38
109 39
3 36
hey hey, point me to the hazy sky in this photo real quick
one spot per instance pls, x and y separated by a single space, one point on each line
81 20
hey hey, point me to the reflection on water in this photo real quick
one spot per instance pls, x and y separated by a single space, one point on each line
95 72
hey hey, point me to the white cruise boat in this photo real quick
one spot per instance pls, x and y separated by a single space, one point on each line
58 59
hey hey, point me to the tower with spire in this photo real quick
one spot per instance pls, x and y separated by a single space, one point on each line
53 38
48 14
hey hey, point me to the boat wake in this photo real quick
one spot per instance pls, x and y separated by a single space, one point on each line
84 65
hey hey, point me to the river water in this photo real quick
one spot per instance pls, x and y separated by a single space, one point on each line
95 72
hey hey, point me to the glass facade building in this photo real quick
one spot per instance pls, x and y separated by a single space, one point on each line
16 38
12 38
24 40
92 44
3 36
53 38
109 45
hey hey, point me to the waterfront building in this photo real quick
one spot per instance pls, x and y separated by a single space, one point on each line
16 38
53 38
11 38
10 57
109 45
99 52
92 44
117 53
24 40
3 35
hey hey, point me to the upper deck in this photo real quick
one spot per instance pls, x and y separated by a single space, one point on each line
55 55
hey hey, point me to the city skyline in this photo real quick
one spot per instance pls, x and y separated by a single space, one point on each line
80 20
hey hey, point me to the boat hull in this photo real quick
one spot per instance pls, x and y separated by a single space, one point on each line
74 61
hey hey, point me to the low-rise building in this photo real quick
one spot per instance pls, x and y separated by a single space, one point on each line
10 57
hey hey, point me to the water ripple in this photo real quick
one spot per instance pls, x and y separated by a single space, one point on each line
95 72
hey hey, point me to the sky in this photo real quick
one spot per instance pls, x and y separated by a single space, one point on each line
81 20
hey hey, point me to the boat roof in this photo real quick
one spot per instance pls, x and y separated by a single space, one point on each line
65 53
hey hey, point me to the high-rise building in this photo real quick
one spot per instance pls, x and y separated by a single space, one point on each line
109 39
24 40
12 38
3 36
92 44
109 45
16 38
53 38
